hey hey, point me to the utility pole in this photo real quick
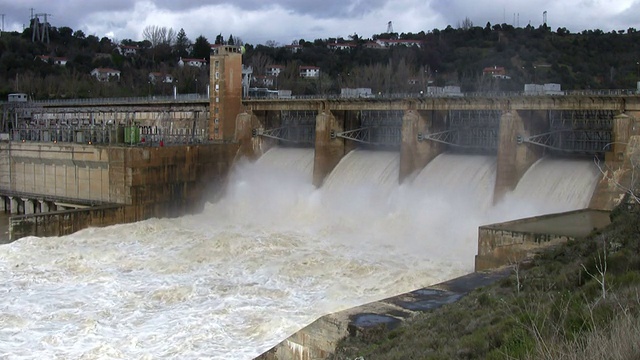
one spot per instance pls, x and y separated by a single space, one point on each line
2 30
40 31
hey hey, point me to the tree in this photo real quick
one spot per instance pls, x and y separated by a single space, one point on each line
201 48
259 62
219 39
466 24
230 41
157 35
182 44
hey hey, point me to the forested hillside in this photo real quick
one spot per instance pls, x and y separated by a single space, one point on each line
591 59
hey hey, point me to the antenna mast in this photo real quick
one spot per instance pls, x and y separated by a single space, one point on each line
544 18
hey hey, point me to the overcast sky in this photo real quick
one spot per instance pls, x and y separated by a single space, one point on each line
282 21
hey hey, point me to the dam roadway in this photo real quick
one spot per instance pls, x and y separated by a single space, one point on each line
578 100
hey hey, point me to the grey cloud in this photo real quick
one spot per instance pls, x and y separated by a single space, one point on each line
320 9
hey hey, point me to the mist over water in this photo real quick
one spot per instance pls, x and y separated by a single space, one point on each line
271 256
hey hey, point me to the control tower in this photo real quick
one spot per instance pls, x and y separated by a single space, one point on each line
226 97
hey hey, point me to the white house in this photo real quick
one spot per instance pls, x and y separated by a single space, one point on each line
192 62
274 70
156 77
128 50
294 48
262 81
385 43
105 74
62 61
309 71
341 46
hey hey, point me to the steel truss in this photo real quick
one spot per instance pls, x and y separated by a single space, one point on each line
298 127
581 131
380 128
577 141
476 129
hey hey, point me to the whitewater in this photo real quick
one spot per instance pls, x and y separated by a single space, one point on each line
265 260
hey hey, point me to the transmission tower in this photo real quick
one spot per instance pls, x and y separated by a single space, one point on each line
389 27
40 30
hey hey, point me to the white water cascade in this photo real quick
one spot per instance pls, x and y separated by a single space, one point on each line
272 255
556 185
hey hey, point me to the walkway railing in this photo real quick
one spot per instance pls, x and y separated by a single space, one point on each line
201 98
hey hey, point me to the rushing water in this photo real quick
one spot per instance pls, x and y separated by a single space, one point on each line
267 259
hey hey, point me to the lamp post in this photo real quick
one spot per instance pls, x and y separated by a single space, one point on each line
196 86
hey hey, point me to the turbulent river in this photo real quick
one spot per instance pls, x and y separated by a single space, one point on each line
272 255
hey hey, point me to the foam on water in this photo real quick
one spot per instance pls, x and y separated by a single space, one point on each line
267 259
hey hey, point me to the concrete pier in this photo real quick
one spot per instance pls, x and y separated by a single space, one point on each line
328 148
515 157
29 207
617 167
415 154
44 206
13 205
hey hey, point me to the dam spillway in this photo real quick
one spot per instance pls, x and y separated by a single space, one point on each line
273 254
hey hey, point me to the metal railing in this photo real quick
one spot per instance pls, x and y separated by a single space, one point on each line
201 98
101 135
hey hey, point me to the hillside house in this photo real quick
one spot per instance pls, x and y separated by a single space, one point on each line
372 45
386 43
61 61
294 48
128 50
341 46
274 70
105 74
158 77
262 81
199 63
309 71
496 72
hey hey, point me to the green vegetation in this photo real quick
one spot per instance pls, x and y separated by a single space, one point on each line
580 300
591 59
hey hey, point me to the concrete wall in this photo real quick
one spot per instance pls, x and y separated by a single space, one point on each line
170 181
319 339
146 181
511 242
65 222
499 247
66 171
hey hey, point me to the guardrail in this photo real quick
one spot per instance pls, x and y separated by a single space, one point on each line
186 98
